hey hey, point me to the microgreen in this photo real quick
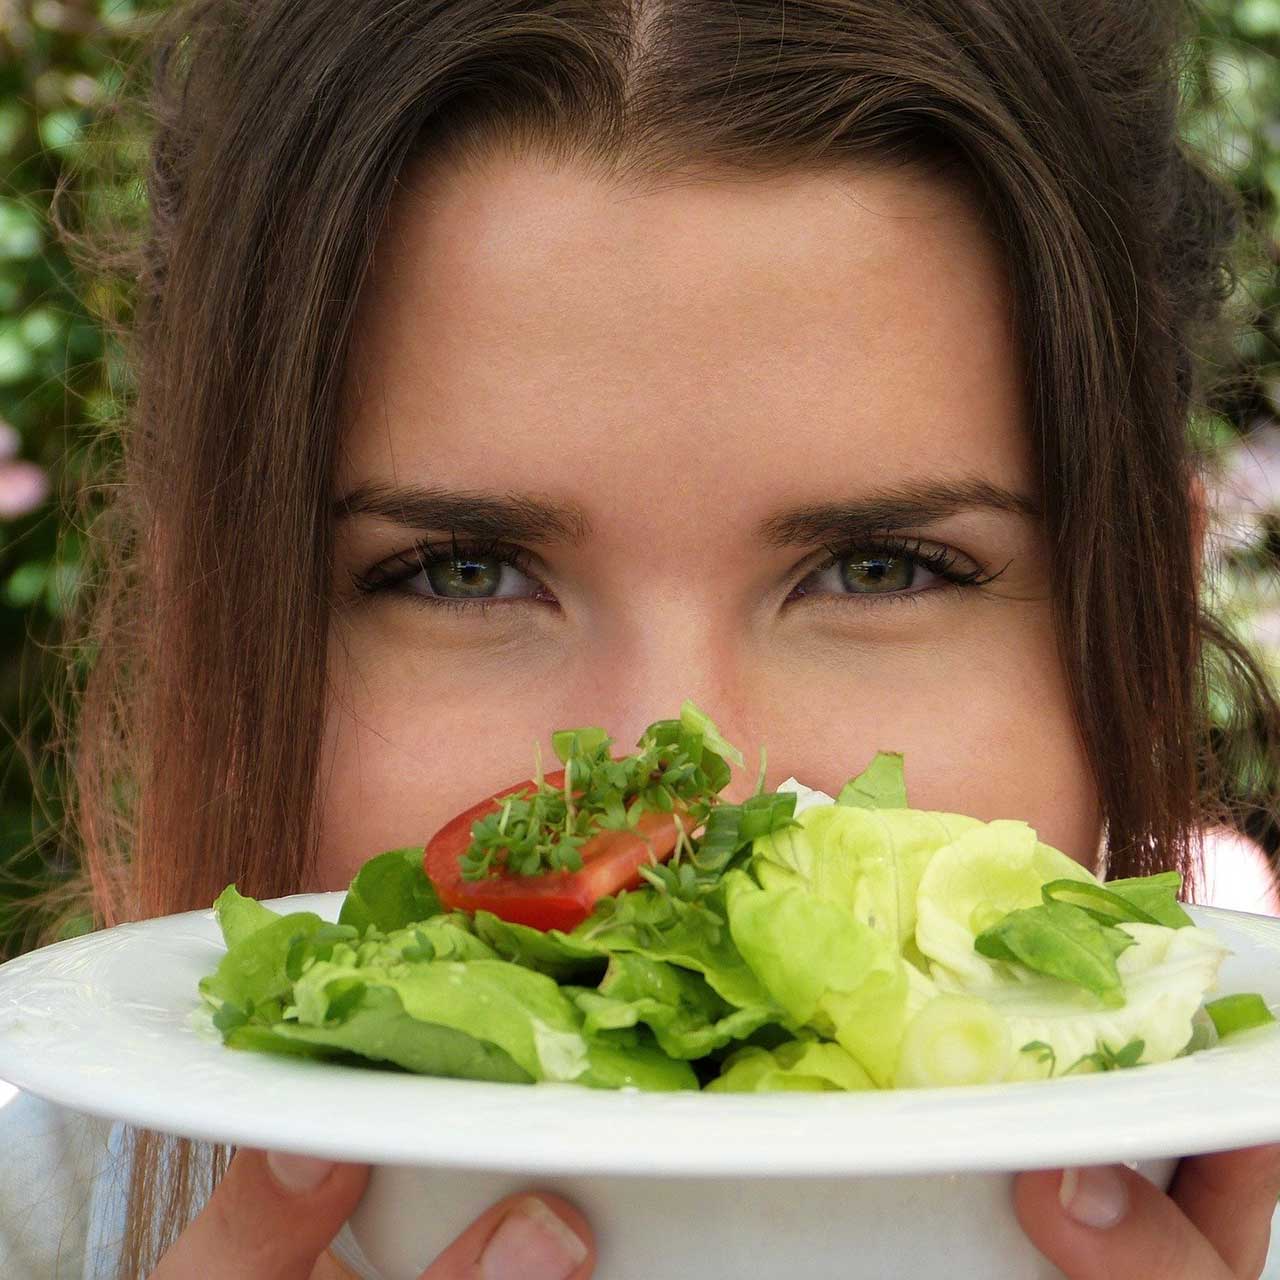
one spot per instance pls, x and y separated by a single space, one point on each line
678 766
1042 1052
1105 1058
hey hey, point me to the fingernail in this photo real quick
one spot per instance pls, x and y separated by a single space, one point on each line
532 1243
297 1174
1094 1197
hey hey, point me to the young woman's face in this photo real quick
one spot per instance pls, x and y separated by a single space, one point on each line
755 433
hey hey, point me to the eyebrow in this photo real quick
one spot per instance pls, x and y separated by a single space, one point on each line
901 507
530 518
480 515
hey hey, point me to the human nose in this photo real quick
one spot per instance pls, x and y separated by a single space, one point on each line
649 676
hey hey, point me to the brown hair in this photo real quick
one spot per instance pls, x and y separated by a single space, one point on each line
279 133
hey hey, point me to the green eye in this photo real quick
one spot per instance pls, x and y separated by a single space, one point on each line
876 573
466 577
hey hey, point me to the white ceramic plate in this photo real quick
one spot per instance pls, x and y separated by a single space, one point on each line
103 1024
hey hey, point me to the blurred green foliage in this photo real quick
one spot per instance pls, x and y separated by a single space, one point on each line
60 379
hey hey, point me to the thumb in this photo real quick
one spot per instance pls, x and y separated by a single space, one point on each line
270 1218
524 1237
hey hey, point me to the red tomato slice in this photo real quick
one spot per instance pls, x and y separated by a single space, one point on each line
611 862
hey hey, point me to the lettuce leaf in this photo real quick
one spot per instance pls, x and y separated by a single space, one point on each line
690 935
238 917
869 861
522 1013
1164 976
973 882
688 1019
389 892
797 1065
552 952
881 785
826 969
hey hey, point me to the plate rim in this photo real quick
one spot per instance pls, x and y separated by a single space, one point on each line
1189 1133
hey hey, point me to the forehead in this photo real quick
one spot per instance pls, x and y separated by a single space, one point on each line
721 343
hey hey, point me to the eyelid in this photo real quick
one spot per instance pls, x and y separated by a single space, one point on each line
937 558
933 556
406 564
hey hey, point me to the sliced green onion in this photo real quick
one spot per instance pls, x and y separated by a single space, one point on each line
954 1039
572 742
701 723
1240 1012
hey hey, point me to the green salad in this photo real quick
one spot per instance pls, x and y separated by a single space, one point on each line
617 924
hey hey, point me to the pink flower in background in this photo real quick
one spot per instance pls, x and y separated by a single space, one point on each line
1254 468
23 485
1266 629
1237 874
1246 488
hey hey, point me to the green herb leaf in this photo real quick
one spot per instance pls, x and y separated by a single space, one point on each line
390 891
1061 941
1156 895
1104 905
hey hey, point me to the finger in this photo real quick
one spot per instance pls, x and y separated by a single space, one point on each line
1110 1223
524 1237
269 1218
1231 1197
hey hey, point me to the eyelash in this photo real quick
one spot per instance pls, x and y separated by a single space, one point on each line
424 555
938 560
406 564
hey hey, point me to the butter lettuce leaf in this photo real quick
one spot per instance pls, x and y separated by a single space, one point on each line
690 935
254 971
377 1028
973 882
687 1017
827 970
522 1013
557 954
810 1066
869 861
238 916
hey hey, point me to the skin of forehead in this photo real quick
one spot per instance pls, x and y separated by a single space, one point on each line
708 330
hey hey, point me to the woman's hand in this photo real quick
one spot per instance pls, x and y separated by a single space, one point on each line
272 1217
1096 1224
